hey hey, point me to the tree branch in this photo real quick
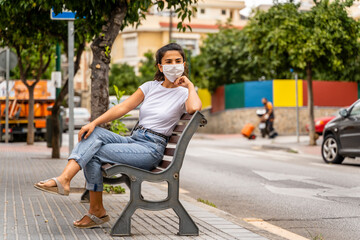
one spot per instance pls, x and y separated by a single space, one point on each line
27 69
21 67
64 89
79 52
39 73
47 64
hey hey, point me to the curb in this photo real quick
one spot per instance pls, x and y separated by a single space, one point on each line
274 147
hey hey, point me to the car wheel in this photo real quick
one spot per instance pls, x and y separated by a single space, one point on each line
330 150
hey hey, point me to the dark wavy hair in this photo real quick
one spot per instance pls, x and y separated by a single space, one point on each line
159 76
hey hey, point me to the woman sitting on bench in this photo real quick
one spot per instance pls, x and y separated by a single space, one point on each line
163 100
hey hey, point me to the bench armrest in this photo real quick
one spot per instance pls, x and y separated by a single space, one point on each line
133 173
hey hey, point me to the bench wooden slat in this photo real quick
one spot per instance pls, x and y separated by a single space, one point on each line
157 170
179 128
186 116
169 151
106 166
174 139
164 164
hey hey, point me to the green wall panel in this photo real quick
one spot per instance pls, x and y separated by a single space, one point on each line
234 96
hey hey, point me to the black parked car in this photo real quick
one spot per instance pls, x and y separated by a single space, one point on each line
342 135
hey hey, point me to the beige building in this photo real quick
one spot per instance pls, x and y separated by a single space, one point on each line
154 32
306 5
131 44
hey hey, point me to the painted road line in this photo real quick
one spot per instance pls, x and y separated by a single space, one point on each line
322 165
259 223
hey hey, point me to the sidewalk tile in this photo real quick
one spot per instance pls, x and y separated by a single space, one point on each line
26 213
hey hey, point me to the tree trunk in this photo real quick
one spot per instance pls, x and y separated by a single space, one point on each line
55 137
310 104
30 127
101 48
55 112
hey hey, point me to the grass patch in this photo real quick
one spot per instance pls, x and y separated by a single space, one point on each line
292 151
206 202
114 189
318 237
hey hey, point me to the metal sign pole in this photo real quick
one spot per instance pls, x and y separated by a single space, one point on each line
7 76
297 107
70 17
71 83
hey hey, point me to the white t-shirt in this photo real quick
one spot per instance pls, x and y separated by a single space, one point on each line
162 107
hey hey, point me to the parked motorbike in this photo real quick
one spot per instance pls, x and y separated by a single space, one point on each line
263 123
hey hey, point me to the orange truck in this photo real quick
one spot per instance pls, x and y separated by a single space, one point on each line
44 97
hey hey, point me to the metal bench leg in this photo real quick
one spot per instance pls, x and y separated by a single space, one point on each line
122 226
187 226
85 197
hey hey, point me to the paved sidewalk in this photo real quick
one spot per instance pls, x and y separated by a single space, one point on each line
26 213
287 143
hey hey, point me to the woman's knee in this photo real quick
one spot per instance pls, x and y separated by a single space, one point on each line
97 131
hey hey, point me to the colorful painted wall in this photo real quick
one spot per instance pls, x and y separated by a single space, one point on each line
234 96
218 100
255 91
282 92
338 94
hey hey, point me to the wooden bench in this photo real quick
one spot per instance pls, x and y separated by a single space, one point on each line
168 170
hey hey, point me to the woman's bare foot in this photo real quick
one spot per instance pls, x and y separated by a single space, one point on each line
52 183
86 220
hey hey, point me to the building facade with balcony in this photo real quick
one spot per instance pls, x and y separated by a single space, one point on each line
156 31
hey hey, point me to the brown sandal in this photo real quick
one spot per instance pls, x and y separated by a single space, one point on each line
96 222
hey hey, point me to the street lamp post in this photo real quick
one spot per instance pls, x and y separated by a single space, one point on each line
7 77
170 26
297 107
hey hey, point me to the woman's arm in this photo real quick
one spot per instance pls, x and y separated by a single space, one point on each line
113 113
193 103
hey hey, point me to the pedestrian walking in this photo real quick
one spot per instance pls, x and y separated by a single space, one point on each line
269 118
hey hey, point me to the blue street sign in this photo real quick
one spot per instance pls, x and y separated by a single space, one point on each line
65 15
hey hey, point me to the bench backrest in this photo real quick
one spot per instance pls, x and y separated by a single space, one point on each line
178 142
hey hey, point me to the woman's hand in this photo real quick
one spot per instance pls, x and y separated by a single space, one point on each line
193 103
183 81
88 129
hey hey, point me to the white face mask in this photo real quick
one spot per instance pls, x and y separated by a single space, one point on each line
173 71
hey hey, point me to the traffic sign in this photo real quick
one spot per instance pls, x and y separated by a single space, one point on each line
64 15
13 60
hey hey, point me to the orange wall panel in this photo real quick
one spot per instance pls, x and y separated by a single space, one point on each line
218 100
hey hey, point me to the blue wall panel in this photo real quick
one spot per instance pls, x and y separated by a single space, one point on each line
256 90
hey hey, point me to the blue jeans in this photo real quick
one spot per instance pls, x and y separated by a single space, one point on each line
142 150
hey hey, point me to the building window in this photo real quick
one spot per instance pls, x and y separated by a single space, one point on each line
223 12
189 44
130 47
202 11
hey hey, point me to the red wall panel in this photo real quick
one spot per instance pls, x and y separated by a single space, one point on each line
218 100
331 94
